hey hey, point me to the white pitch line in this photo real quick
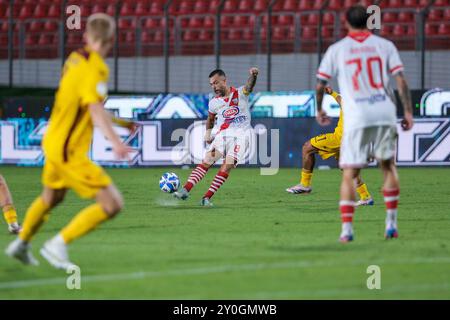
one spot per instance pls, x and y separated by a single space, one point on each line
209 270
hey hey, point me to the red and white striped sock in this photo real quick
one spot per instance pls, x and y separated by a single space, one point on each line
391 199
196 175
219 179
347 208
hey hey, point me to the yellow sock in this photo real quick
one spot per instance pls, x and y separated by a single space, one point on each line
85 221
36 214
10 214
363 192
306 178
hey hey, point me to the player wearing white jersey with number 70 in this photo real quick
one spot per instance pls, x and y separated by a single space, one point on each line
363 63
231 140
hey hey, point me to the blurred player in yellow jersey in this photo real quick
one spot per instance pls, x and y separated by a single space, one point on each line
326 145
78 107
9 211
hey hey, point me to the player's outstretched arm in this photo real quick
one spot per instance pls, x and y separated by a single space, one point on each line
405 97
251 80
321 115
130 125
103 120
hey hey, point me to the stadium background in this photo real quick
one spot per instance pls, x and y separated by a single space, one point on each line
165 49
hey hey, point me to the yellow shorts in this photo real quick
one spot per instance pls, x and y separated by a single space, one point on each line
328 145
83 176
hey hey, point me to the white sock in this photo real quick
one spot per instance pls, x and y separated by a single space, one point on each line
21 242
391 219
347 229
58 240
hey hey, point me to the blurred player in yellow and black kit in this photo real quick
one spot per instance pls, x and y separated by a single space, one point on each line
78 107
9 211
326 145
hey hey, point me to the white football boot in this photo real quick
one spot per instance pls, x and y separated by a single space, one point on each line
55 252
20 250
206 202
183 194
14 228
366 202
299 189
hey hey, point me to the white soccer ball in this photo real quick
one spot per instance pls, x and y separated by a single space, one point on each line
169 182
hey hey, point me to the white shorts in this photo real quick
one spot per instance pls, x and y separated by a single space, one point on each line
231 144
359 145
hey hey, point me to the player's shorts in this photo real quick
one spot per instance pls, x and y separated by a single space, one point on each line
230 144
360 145
328 144
83 176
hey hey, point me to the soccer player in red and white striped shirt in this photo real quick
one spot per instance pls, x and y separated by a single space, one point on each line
231 108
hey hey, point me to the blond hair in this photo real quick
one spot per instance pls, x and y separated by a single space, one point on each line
101 26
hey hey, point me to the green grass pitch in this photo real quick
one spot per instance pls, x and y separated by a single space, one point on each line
257 242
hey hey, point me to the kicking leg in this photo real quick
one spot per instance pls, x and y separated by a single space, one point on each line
198 174
347 203
391 192
219 179
308 161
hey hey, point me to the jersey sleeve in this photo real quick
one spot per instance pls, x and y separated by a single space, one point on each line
94 88
395 64
327 69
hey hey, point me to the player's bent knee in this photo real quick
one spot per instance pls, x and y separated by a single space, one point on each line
351 174
225 168
308 148
113 207
229 164
210 158
53 197
208 161
387 165
111 200
116 207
